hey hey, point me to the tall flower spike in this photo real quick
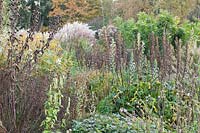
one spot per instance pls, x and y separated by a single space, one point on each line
1 15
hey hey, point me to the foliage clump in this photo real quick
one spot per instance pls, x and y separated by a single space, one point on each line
112 123
147 24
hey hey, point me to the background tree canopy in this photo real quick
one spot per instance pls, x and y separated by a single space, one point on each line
100 12
26 12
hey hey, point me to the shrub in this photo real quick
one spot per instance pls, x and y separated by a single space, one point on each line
53 62
128 30
114 123
146 24
106 105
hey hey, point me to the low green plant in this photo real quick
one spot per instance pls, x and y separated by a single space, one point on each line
106 105
141 98
114 123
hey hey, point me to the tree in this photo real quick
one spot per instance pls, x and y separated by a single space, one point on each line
195 13
75 10
130 8
26 12
179 8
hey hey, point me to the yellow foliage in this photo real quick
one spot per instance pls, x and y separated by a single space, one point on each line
53 59
39 40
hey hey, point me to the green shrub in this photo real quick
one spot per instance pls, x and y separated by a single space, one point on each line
127 29
105 106
147 24
143 98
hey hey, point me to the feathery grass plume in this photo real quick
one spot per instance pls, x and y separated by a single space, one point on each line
79 39
75 31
